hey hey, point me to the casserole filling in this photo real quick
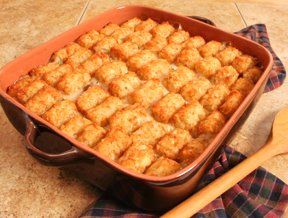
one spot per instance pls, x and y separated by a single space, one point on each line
146 95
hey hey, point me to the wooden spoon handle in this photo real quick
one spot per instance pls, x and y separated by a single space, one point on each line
207 194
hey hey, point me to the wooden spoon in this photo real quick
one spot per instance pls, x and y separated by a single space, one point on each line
277 144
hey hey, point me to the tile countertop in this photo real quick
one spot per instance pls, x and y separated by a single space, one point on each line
28 189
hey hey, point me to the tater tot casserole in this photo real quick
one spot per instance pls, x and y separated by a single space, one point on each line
147 95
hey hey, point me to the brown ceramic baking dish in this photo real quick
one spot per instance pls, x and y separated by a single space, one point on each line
50 146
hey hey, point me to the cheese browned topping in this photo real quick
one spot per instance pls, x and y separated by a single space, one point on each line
146 95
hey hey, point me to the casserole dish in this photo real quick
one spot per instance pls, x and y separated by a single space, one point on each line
50 146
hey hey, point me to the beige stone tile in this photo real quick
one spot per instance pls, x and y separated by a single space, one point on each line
278 2
275 17
25 24
29 189
224 14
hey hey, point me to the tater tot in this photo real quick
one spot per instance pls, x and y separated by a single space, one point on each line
109 29
146 25
227 55
93 63
109 71
113 145
140 59
195 89
156 44
124 85
178 37
214 97
75 125
62 54
210 48
149 133
207 66
164 29
178 78
188 116
53 77
41 70
191 151
121 33
163 167
89 39
124 51
100 113
156 69
253 74
91 134
189 57
164 109
243 85
74 82
43 100
226 75
195 42
60 112
129 118
212 124
105 45
243 62
78 57
137 158
171 51
132 23
24 94
139 38
170 145
231 103
206 139
93 96
149 93
19 85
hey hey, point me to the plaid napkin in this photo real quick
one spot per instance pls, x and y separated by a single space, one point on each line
257 195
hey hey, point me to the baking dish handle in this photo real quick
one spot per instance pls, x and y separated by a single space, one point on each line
58 159
203 19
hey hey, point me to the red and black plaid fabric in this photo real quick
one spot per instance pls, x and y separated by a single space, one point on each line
260 194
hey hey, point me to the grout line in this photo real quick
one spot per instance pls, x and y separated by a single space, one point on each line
83 12
240 14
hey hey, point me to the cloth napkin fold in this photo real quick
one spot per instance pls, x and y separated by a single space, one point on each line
257 195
